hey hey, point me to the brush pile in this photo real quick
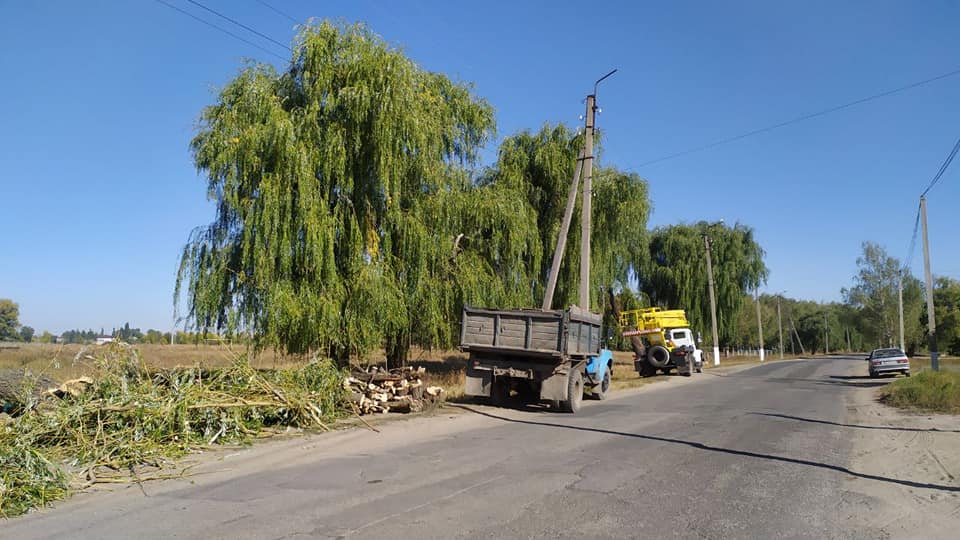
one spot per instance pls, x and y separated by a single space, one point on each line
126 422
398 390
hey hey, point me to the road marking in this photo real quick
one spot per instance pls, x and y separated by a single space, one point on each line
428 503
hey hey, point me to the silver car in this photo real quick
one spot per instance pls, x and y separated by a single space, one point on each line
888 361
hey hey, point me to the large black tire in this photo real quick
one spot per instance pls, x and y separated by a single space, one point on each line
646 370
499 392
600 390
689 371
574 392
658 356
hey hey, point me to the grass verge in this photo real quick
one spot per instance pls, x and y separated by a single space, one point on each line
935 391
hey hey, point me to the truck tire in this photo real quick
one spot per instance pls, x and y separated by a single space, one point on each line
499 392
574 392
658 356
689 371
601 389
646 370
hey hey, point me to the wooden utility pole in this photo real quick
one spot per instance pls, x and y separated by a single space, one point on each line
760 325
562 239
713 302
931 319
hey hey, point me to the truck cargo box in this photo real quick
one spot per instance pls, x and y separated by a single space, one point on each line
574 333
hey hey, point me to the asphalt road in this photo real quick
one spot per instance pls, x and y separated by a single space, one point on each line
757 453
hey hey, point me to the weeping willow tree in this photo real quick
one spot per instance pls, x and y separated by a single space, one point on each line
674 272
345 218
541 165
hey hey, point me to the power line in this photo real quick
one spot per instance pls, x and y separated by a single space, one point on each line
220 28
275 10
913 241
800 118
943 168
240 24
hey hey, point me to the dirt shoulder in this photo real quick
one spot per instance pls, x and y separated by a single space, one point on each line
923 449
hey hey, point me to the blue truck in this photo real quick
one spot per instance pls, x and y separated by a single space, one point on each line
535 355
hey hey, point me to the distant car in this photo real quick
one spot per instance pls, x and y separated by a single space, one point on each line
888 361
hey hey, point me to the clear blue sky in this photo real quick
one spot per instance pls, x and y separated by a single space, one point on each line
98 193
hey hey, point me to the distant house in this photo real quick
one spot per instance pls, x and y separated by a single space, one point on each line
103 340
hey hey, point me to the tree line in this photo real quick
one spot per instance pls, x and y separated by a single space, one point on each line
351 216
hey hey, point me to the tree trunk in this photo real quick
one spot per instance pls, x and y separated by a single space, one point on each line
398 347
635 343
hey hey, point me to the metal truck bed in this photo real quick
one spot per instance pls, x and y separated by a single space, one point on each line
531 333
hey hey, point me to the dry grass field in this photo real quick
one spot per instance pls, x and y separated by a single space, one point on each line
444 368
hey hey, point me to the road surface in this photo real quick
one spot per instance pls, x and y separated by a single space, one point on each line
788 449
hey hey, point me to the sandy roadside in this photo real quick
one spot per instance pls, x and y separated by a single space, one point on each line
923 449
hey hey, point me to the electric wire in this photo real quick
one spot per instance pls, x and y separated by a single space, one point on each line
220 28
801 118
943 169
240 24
277 11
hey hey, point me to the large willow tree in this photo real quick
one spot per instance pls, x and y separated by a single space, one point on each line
345 219
541 165
674 272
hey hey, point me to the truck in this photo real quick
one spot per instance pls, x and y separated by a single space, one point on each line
544 354
535 355
668 343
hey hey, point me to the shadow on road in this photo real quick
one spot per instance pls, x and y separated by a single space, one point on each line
858 426
853 381
730 451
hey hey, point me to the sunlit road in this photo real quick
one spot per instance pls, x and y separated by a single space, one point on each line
757 453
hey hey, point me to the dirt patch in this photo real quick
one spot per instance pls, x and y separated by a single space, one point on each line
919 450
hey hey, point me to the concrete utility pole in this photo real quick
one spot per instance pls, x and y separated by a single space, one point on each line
900 307
586 215
760 325
803 351
931 319
587 206
826 335
713 302
780 327
562 239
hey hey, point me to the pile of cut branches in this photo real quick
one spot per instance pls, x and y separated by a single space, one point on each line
128 421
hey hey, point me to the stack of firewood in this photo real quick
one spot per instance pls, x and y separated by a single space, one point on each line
376 390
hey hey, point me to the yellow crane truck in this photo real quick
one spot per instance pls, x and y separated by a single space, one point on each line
666 338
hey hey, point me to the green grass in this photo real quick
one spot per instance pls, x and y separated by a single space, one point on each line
935 391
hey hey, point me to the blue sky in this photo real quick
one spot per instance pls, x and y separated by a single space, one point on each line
98 193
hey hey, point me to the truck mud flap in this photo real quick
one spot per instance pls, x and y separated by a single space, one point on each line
478 381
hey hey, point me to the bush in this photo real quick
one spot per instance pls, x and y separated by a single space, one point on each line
929 390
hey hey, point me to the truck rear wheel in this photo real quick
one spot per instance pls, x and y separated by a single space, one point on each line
574 392
658 356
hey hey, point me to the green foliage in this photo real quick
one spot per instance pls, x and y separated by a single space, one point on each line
26 334
9 319
937 391
946 302
132 417
674 273
874 297
341 192
541 166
